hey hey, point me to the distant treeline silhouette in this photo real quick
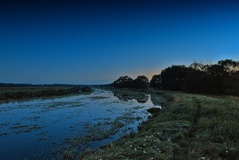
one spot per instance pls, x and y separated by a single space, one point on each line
127 82
220 78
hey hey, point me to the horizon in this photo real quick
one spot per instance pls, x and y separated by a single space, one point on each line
92 42
134 77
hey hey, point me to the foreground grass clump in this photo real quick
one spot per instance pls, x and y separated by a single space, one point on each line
188 127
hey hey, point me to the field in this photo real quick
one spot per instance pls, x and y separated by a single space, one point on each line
19 93
189 126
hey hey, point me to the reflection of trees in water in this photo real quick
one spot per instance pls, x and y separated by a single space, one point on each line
124 96
143 99
157 101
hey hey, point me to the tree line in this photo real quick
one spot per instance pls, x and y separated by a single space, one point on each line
127 82
219 78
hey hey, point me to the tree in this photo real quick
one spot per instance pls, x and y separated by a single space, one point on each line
123 82
141 82
174 78
229 76
198 66
229 65
220 78
156 82
127 82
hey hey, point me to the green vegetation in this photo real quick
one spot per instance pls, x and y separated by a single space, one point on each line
188 127
218 79
25 92
20 128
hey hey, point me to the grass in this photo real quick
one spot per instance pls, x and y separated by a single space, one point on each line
20 93
20 128
188 127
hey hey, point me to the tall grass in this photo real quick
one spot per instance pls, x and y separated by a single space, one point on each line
189 127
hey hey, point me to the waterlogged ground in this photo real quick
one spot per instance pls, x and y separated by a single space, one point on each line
62 128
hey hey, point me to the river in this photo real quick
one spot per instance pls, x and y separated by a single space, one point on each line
62 128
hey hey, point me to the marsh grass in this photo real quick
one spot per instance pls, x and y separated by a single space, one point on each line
188 127
21 93
97 132
23 128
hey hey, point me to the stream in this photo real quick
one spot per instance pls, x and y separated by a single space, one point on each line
63 128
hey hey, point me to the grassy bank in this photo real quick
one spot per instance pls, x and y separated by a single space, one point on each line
188 127
19 93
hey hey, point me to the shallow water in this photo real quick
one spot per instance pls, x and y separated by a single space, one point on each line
64 127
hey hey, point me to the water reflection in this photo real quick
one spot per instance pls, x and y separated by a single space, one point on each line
158 101
127 96
46 129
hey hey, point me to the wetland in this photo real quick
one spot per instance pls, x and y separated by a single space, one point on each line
65 127
114 123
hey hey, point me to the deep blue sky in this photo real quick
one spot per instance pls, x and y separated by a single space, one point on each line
87 42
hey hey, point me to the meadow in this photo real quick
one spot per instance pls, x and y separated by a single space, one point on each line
189 126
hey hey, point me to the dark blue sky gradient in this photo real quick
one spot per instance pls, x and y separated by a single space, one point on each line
87 42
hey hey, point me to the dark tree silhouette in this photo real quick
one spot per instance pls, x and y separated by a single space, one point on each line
175 78
229 76
220 78
141 82
215 74
156 82
123 82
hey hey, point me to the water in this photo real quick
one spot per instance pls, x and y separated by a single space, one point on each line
64 127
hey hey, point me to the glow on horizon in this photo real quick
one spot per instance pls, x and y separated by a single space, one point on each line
96 42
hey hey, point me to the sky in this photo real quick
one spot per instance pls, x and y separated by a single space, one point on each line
97 41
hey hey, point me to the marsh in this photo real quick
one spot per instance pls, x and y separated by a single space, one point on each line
64 127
